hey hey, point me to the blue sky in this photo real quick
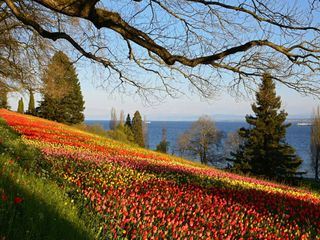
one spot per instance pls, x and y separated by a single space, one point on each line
98 103
190 107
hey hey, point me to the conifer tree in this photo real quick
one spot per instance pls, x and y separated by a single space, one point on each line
20 106
4 98
31 105
62 98
264 151
128 121
137 129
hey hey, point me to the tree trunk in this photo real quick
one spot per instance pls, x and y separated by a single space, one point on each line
205 160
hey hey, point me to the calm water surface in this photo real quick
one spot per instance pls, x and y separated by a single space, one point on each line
297 136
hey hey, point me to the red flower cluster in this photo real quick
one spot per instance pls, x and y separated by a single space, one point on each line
141 194
17 200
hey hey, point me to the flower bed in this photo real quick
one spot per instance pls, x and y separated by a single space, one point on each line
141 194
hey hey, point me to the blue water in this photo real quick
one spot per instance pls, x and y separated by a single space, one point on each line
297 136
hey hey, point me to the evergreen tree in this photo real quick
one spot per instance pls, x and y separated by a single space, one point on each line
62 98
264 151
128 121
20 106
31 106
137 129
3 98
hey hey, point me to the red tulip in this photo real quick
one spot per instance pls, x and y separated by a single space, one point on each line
17 200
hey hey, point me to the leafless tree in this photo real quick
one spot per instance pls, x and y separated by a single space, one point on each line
121 118
201 140
315 143
23 53
232 143
113 119
145 131
211 45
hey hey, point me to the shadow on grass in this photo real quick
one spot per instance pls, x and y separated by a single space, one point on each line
45 211
34 218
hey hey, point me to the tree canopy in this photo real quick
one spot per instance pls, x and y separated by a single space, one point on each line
62 98
31 106
3 97
23 52
20 106
137 129
202 140
264 151
200 41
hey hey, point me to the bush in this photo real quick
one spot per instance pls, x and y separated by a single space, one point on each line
94 129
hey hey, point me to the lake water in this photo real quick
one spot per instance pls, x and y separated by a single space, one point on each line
297 136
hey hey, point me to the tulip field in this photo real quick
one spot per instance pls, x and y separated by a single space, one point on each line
141 194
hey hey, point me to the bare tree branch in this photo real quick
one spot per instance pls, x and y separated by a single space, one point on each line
210 43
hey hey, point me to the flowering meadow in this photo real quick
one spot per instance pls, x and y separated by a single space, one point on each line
141 194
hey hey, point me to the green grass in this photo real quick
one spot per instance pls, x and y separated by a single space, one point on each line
46 211
310 184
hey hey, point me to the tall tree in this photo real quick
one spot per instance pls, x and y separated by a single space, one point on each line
315 143
20 106
137 129
31 106
145 131
3 97
113 119
243 38
62 98
201 140
121 118
265 151
163 146
128 121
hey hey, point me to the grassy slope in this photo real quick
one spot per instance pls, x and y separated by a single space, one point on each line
45 212
49 201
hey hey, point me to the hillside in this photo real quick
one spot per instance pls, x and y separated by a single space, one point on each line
135 193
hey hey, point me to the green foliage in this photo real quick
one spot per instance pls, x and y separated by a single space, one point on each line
31 106
32 206
3 98
312 185
62 97
122 134
264 151
128 131
94 129
163 146
20 106
137 129
128 121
